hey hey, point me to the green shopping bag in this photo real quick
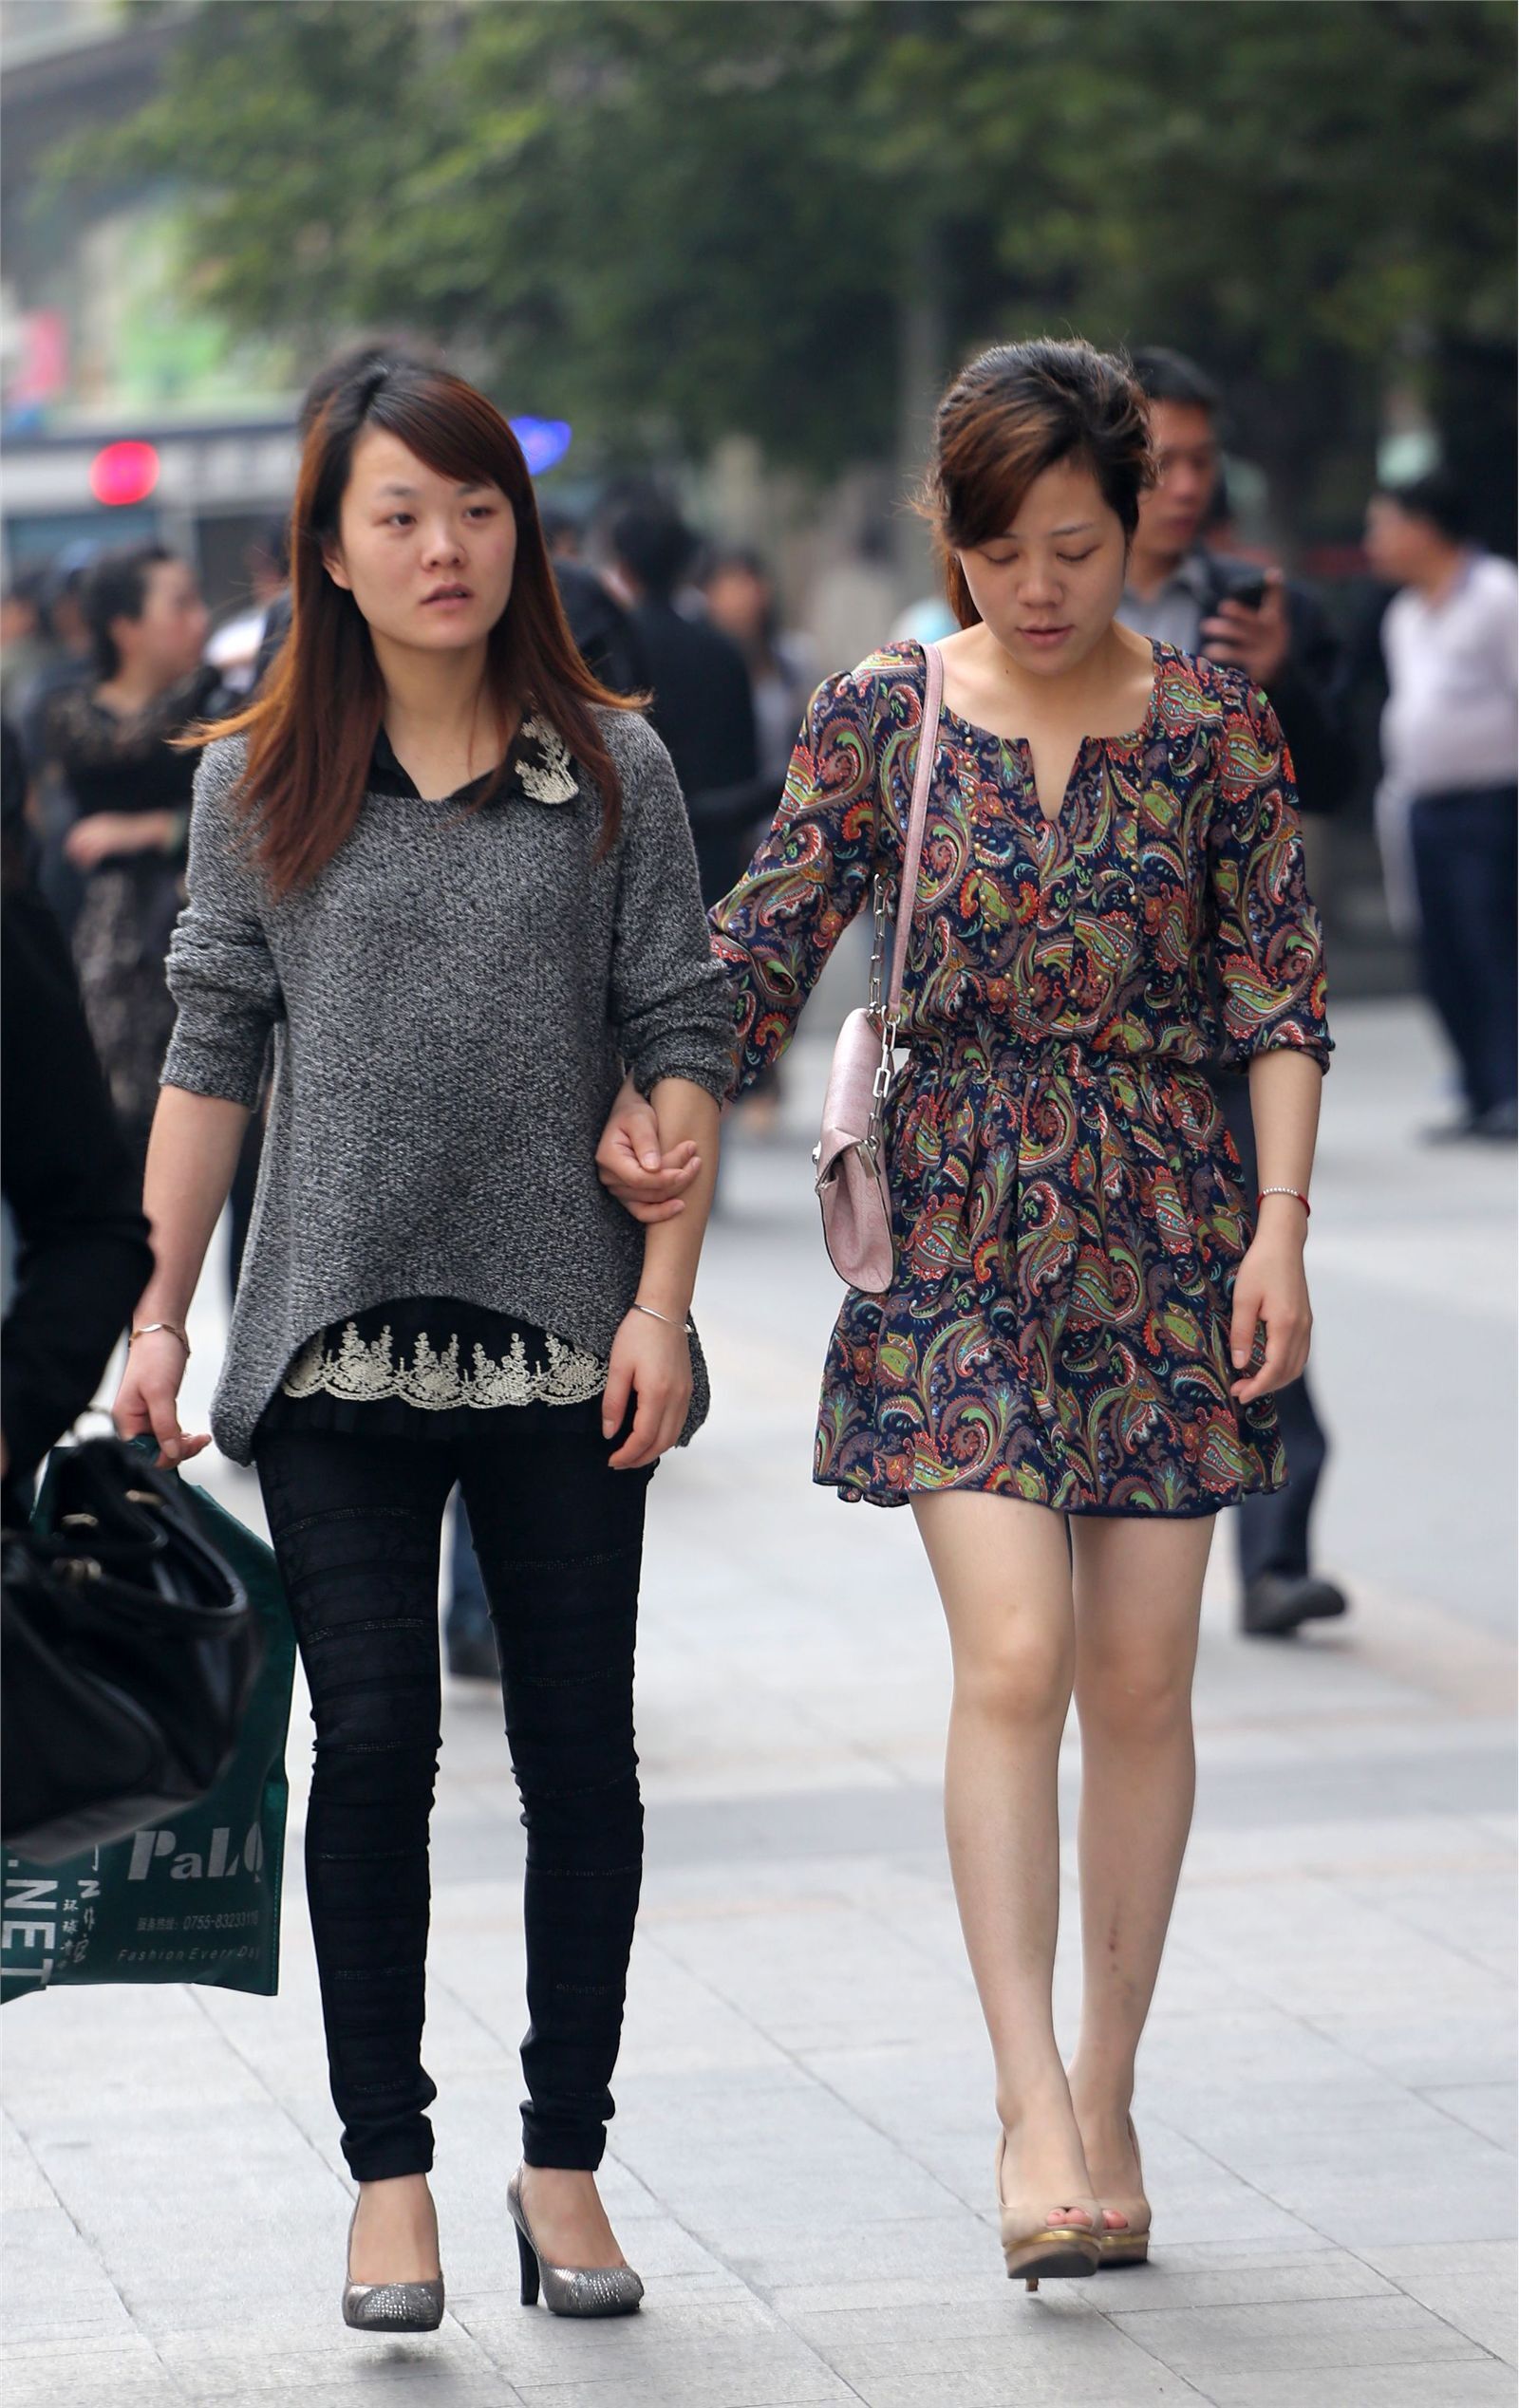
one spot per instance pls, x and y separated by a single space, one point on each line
200 1901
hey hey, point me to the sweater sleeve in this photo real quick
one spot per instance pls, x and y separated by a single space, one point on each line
1268 943
670 1005
221 973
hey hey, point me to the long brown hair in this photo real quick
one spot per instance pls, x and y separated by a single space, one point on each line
1015 411
312 728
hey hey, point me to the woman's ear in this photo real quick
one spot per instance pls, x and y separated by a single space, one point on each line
332 563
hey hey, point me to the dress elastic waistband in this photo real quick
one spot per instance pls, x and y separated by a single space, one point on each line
1016 1053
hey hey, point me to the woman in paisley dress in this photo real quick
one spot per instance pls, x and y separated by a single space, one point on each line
1073 1368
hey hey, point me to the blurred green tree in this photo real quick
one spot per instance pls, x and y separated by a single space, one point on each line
675 218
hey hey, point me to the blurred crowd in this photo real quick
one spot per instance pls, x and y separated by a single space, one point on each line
108 657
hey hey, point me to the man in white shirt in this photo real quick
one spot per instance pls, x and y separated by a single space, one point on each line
1450 738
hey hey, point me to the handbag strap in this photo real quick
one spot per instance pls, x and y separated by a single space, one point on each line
917 817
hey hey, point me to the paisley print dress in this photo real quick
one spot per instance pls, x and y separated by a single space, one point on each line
1066 1206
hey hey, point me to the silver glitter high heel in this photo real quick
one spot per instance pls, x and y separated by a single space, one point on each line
391 2308
569 2290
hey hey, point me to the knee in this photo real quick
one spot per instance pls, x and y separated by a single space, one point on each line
377 1746
1023 1681
1137 1703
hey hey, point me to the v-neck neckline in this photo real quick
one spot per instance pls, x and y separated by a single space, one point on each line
1132 741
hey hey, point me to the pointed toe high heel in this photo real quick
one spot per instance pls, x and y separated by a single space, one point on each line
569 2290
391 2308
1130 2244
1041 2249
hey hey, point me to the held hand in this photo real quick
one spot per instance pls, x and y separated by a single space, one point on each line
1270 1289
147 1400
648 1183
1256 641
103 834
650 1365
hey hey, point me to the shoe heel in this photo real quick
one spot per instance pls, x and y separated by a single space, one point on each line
528 2260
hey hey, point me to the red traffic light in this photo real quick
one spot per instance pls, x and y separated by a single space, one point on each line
123 473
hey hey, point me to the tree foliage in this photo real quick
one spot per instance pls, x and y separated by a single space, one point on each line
680 218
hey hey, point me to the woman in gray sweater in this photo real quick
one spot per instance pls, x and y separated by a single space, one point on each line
451 878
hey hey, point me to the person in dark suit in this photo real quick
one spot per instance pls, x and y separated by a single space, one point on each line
1230 610
702 706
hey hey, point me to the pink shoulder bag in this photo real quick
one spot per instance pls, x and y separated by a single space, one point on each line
851 1182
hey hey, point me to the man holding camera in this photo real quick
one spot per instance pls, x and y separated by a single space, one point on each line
1182 592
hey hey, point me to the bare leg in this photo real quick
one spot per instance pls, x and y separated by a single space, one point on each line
1003 1575
569 2222
1138 1588
395 2232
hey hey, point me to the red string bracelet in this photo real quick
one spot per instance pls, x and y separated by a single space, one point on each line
1284 1191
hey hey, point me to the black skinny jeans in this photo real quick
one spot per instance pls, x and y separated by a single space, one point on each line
356 1525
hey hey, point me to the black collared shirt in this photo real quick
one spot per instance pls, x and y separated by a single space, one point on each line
538 764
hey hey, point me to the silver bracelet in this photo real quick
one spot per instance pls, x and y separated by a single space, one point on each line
665 1317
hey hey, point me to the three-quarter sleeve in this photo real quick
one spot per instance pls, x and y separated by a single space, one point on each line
812 874
1268 946
668 997
220 971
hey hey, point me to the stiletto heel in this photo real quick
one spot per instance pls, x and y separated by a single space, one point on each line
1052 2250
390 2308
569 2290
528 2259
1130 2244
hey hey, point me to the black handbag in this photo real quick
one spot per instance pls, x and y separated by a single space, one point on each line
130 1647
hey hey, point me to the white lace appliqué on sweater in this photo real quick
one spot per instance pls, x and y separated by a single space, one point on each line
552 779
362 1372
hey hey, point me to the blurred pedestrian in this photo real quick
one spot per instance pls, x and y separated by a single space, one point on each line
702 706
113 740
740 593
454 878
70 1186
1181 586
26 639
235 649
1450 774
1073 1367
66 661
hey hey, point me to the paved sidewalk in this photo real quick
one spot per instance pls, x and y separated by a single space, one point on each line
801 2161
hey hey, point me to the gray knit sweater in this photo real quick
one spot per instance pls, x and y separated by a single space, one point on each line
452 1002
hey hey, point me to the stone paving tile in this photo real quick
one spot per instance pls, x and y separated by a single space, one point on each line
411 2388
767 2376
133 2372
1142 2385
1015 2335
1430 2049
1205 2275
1204 2343
830 2253
1487 2107
1470 2282
444 2366
1468 2383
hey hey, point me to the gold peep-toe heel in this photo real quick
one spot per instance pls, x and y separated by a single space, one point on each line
1130 2244
1053 2250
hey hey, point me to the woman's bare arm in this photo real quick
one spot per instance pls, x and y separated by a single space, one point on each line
192 1155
